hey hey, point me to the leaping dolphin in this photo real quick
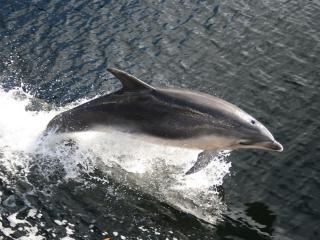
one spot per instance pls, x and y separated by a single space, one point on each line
170 116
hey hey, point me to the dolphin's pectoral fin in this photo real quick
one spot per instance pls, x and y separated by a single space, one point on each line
204 158
129 82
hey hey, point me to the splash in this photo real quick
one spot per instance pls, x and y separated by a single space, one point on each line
19 130
160 170
149 168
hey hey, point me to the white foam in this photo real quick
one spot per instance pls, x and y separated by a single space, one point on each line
19 128
60 223
14 221
6 231
26 226
32 213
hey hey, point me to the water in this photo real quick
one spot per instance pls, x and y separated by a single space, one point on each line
263 56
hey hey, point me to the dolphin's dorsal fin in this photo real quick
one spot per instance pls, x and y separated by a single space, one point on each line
129 82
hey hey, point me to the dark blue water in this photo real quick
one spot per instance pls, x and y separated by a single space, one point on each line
263 56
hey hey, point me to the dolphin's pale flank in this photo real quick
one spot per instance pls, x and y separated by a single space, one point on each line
176 117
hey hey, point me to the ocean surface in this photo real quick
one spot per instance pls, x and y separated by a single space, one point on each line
263 56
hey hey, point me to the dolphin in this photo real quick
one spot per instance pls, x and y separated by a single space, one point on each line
169 116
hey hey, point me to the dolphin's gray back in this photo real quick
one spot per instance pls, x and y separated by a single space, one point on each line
172 114
139 112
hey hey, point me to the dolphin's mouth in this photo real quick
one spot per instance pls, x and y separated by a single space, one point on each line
274 145
269 145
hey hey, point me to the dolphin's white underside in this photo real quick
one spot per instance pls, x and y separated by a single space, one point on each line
197 143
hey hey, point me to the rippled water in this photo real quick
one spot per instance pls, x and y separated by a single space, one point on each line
261 55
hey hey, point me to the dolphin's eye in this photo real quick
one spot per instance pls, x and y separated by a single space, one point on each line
253 121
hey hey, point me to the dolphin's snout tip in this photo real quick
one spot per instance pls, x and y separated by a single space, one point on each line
276 146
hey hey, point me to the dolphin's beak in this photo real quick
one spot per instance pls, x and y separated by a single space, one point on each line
268 145
272 145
